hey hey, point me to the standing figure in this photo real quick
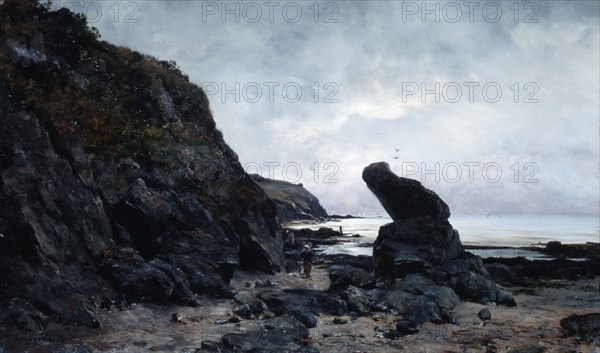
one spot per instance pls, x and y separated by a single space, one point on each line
308 256
341 232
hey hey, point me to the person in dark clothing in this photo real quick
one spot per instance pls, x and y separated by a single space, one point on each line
308 256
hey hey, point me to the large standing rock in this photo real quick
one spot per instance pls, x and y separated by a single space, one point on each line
403 198
422 241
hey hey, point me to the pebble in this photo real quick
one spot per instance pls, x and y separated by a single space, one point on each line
484 314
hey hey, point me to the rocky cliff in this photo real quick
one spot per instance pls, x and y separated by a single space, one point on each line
114 180
293 201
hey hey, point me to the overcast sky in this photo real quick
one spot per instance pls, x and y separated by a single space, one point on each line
517 84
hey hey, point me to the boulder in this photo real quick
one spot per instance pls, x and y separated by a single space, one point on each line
586 325
418 299
361 261
501 273
250 299
341 276
356 299
484 314
279 334
403 198
302 304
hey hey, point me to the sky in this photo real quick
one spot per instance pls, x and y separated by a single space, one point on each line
494 105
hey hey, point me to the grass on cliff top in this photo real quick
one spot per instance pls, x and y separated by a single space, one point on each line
114 101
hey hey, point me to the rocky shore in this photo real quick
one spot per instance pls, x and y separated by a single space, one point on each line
536 324
128 225
513 305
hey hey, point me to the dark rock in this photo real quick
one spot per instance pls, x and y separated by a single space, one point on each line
423 310
339 321
134 277
361 261
470 279
587 325
560 268
422 241
504 297
293 201
443 296
474 286
484 314
554 247
356 299
25 316
341 276
321 236
302 304
263 284
348 216
275 335
211 346
203 278
418 300
114 150
181 294
406 327
403 198
244 311
501 273
250 299
414 246
589 250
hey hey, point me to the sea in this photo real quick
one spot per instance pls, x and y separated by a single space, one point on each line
489 235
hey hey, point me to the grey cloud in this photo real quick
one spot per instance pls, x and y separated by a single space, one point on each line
368 54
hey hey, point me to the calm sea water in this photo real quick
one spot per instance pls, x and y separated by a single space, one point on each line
513 231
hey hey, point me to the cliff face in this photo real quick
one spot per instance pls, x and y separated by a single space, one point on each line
113 176
293 201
